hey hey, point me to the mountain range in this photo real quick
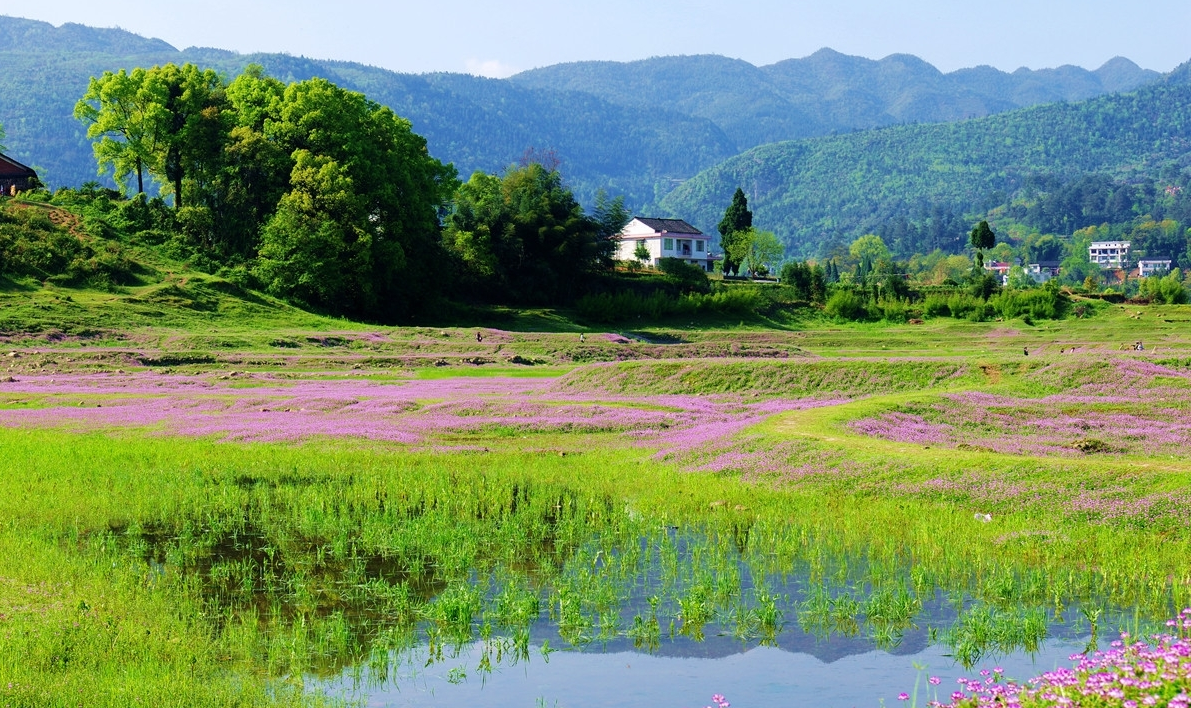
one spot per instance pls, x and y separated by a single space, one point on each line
638 128
834 188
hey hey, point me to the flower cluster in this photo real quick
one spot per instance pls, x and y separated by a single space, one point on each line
1130 674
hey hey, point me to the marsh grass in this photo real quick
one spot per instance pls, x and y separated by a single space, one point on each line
242 569
162 570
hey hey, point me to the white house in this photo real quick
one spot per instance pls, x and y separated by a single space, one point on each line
666 238
1148 267
1109 254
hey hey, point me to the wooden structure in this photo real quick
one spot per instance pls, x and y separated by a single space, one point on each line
15 177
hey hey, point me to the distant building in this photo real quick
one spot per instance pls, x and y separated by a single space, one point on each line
666 238
1149 267
1042 271
1109 254
15 177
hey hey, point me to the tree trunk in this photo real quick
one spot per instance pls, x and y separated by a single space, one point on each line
140 180
177 193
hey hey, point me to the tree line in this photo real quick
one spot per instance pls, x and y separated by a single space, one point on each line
317 194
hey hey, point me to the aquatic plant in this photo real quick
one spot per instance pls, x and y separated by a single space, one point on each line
1132 673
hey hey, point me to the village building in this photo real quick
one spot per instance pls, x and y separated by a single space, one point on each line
1000 268
665 238
1042 271
1149 267
15 177
1109 254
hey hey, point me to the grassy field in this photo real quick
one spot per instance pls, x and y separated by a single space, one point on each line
209 498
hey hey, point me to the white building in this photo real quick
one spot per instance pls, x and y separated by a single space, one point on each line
1109 254
1042 272
1148 267
666 238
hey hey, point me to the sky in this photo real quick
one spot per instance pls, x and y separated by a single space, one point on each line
500 38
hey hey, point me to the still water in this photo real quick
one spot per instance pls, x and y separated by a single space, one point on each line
759 676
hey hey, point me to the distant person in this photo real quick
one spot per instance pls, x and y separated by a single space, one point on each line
582 339
479 337
1025 352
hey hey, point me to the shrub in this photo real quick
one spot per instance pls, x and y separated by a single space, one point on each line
966 306
936 306
687 276
1167 290
1040 304
625 305
893 310
847 305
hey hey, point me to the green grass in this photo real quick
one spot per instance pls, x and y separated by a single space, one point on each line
139 569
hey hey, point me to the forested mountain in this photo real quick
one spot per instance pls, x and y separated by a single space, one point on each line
817 191
476 123
636 129
827 91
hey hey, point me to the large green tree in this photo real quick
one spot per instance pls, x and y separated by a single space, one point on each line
357 230
737 219
522 237
757 251
126 116
167 120
325 197
610 217
196 128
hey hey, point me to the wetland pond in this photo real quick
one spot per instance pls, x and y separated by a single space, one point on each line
661 618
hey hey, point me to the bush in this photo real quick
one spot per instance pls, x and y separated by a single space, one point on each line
936 306
1167 290
965 306
626 305
1041 304
30 245
846 305
687 276
894 310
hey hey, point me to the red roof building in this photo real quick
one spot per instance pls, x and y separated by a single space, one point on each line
15 177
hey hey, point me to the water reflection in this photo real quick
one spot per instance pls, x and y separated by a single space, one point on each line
834 677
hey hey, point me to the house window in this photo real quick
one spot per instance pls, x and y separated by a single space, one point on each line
698 246
667 244
640 242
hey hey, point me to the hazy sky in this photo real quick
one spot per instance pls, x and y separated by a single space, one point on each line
498 38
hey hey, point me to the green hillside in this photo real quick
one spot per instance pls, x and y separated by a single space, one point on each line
636 128
827 91
820 190
476 123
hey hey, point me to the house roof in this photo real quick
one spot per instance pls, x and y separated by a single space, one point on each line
11 168
674 226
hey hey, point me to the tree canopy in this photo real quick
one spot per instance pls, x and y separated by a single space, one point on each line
523 236
330 198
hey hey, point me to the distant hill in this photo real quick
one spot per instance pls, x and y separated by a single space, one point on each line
477 123
821 189
827 91
637 128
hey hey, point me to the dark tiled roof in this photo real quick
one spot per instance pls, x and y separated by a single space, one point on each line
674 226
11 168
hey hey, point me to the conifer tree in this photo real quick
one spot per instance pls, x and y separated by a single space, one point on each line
737 219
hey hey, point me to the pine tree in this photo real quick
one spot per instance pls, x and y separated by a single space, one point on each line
737 219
